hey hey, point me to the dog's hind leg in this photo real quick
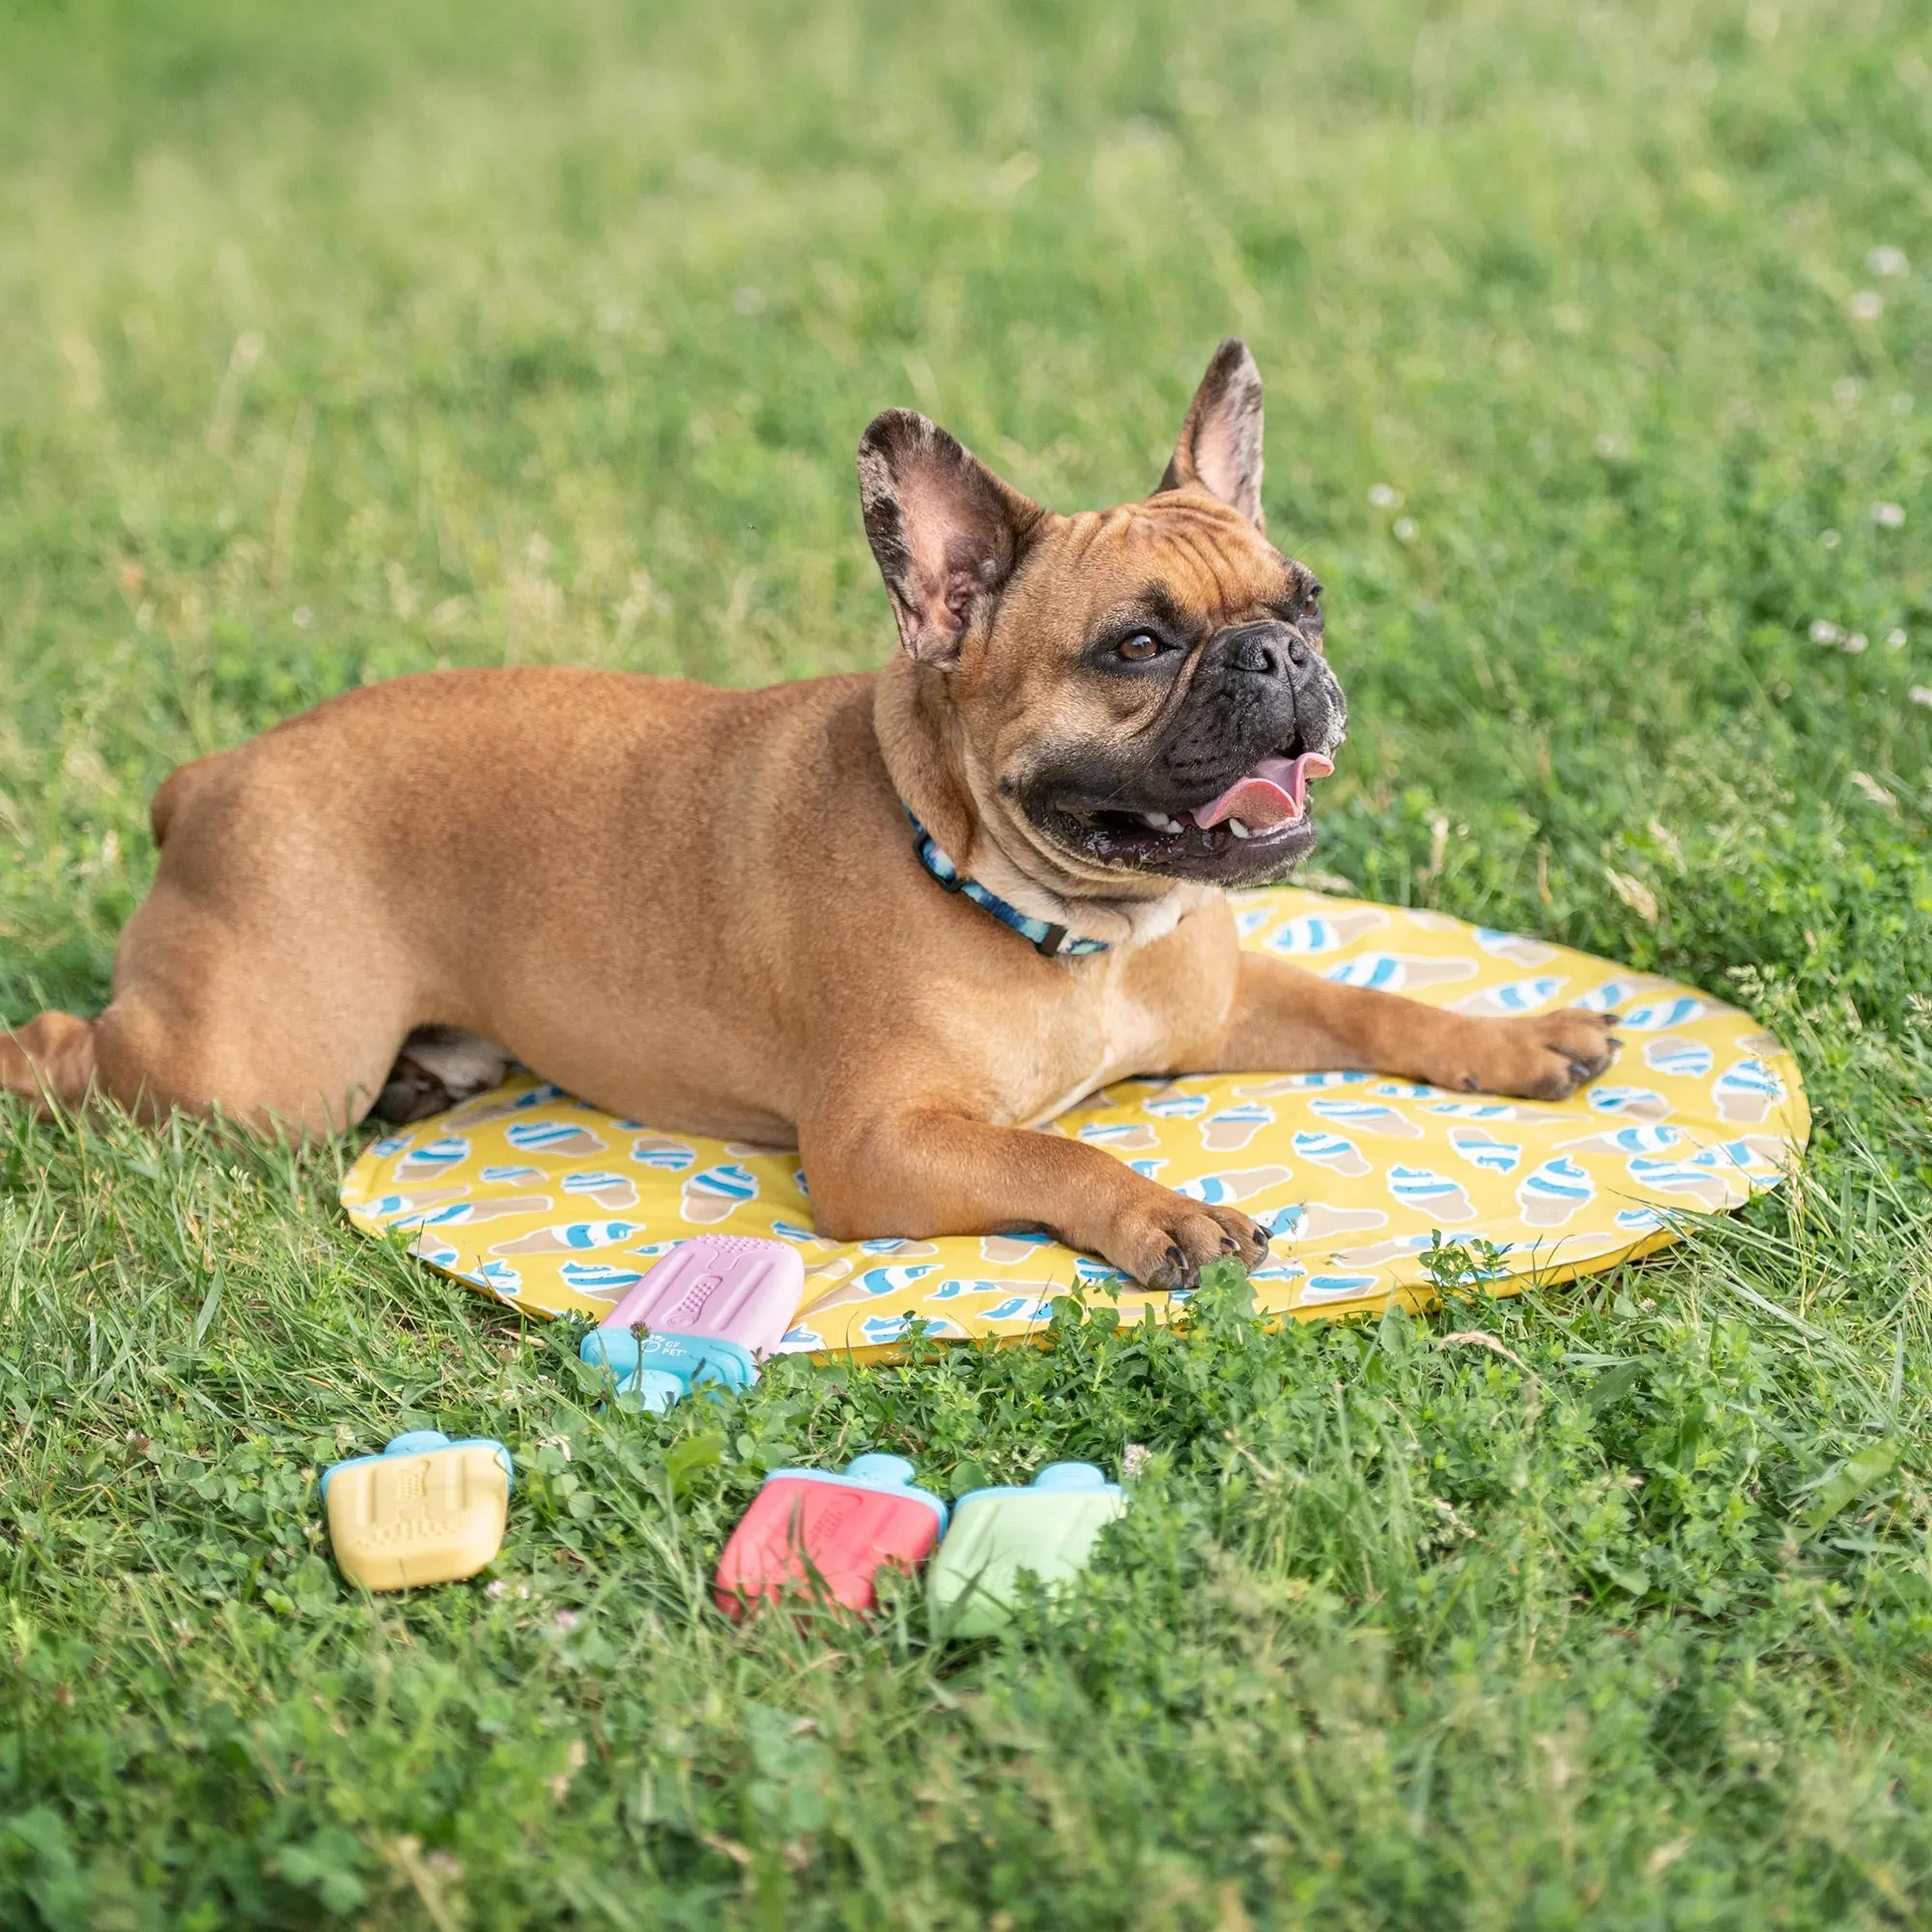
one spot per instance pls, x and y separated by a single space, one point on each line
50 1059
277 1034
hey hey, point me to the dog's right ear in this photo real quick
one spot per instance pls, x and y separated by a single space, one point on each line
948 533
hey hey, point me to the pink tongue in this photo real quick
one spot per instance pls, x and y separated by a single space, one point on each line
1272 794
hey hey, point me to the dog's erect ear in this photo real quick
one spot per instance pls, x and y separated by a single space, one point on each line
945 531
1220 446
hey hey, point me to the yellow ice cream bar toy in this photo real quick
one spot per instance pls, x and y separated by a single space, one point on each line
426 1510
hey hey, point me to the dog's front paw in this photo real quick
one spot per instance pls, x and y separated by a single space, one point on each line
1165 1243
1542 1057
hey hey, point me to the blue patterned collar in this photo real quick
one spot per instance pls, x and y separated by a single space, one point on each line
1052 941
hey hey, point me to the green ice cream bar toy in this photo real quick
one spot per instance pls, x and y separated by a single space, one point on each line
1046 1530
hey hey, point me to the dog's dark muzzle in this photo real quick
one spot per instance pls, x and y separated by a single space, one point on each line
1261 687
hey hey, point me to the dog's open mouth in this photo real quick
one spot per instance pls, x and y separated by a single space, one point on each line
1264 807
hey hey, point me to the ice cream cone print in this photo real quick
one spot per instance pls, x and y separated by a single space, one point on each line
1400 972
1242 1185
1366 1117
1710 1189
495 1105
718 1193
1174 1105
1640 1137
1318 1221
1319 932
1506 1001
1747 1090
1678 1057
467 1214
1005 1250
1334 1152
662 1153
553 1137
1554 1193
1123 1136
397 1208
1632 1103
570 1237
1514 947
442 1156
1481 1149
607 1190
1233 1127
1440 1196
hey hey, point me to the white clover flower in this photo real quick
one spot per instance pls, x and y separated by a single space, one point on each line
1888 262
1385 496
565 1621
1829 538
1402 529
1920 693
1895 639
1888 516
1855 643
1868 305
1608 447
1846 390
1825 632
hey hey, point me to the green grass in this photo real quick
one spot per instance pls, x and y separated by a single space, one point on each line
340 342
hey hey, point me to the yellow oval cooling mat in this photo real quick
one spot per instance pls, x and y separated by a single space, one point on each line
556 1208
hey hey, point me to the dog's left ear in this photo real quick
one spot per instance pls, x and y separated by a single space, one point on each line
1220 446
948 533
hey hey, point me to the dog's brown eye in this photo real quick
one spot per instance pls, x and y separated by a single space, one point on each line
1139 648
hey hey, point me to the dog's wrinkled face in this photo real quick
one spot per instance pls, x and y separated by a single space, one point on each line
1152 694
1141 694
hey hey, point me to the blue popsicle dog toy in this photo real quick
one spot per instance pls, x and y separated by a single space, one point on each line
662 1369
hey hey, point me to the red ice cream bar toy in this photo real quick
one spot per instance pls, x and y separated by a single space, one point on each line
725 1286
825 1534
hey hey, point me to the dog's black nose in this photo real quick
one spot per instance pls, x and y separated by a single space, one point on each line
1265 650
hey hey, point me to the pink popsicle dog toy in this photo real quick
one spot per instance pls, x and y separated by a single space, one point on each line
711 1308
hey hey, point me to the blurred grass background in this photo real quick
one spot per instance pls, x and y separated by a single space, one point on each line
1599 342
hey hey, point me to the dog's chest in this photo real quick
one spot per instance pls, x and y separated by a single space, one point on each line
1125 1021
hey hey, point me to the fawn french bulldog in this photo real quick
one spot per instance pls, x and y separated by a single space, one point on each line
896 919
